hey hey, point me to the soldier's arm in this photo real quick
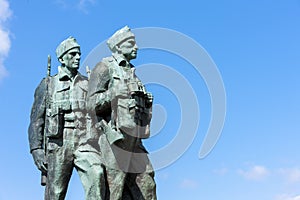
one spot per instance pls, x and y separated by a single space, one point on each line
37 117
99 96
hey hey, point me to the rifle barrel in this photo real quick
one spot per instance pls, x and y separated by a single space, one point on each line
49 66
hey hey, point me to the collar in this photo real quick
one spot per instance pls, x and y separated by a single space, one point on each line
64 74
121 60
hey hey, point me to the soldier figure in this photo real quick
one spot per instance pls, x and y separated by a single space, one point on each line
120 108
57 132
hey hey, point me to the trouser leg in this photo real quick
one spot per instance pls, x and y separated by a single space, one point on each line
131 186
141 181
91 174
60 166
115 180
146 185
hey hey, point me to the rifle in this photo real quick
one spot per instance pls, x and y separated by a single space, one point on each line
44 174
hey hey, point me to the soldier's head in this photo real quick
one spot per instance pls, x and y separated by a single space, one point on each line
123 42
68 53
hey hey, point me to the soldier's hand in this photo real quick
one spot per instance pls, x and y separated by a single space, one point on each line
39 159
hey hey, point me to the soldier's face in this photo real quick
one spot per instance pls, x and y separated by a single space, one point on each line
72 58
129 48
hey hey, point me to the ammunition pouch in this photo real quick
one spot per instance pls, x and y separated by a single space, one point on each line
55 124
126 115
133 118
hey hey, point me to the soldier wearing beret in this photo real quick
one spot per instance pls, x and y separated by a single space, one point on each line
58 136
120 108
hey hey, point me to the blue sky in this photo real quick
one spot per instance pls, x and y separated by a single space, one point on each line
255 46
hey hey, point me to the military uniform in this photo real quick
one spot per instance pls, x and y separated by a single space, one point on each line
130 175
59 116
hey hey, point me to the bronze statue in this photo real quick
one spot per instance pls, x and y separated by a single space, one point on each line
59 134
120 108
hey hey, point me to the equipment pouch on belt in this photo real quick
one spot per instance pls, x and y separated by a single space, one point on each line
55 124
133 119
126 115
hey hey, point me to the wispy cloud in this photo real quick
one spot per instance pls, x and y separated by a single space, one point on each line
189 184
81 5
291 175
287 197
256 172
5 43
222 171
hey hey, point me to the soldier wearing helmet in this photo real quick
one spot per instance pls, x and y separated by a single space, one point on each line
120 107
58 136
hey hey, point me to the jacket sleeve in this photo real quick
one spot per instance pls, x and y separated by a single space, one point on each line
99 97
37 117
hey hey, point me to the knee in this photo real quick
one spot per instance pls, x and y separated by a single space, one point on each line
147 180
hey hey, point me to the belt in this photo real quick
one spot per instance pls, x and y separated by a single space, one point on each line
69 124
75 124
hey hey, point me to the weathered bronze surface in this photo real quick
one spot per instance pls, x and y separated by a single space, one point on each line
121 111
94 125
58 136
